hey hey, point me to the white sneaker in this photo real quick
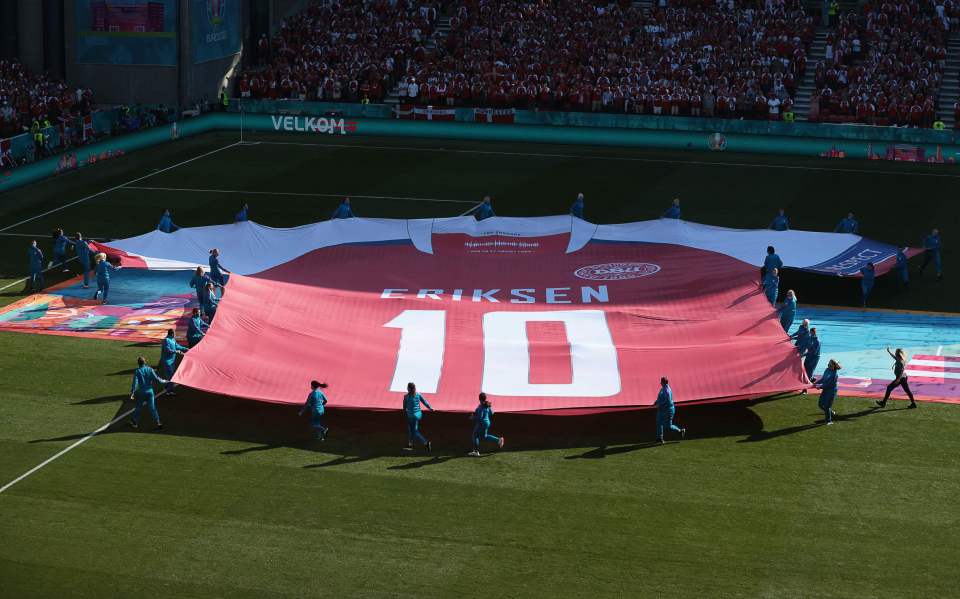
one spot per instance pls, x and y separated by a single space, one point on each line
829 423
474 454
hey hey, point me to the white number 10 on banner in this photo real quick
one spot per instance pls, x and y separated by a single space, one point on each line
506 353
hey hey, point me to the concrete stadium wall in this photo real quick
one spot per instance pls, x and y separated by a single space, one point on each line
179 85
120 84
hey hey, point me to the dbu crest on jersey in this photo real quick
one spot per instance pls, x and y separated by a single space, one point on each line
616 271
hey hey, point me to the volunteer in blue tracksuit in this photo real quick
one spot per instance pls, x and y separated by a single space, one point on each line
848 225
411 408
771 285
243 215
869 274
316 406
931 252
788 310
802 335
812 356
828 390
211 301
673 211
60 243
83 256
771 261
36 267
196 328
343 210
484 210
481 426
166 222
780 221
168 357
199 281
666 411
144 378
217 269
903 266
103 268
577 208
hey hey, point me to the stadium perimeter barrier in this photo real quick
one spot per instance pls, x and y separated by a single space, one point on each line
582 129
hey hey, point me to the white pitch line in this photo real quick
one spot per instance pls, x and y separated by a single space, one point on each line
74 446
294 193
623 158
115 187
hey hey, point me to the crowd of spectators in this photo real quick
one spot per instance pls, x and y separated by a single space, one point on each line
342 50
730 58
884 65
27 97
692 57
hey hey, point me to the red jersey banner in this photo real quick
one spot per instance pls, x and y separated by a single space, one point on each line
534 327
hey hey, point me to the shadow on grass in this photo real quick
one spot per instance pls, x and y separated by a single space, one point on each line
790 430
119 399
365 435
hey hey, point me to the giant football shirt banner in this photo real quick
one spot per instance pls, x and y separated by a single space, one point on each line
540 313
127 32
215 29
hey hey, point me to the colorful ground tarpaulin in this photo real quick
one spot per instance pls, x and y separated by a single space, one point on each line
540 313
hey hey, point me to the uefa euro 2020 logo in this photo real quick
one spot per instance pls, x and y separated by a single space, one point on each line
215 11
616 271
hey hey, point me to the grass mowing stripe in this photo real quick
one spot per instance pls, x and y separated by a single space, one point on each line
623 158
76 444
298 194
115 187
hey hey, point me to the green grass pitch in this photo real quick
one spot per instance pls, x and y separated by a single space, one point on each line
233 500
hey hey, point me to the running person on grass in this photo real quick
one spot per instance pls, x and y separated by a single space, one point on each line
36 267
411 408
83 256
168 358
196 328
828 390
60 243
144 378
666 411
103 268
900 378
316 405
481 426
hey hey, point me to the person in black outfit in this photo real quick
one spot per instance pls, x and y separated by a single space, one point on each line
900 378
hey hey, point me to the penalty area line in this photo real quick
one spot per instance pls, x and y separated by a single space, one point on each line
298 194
116 187
76 444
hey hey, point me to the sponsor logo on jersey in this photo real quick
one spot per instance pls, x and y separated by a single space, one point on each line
616 271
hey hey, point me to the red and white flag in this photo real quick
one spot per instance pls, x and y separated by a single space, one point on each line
933 369
494 115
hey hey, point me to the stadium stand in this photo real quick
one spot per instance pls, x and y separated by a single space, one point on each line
347 51
885 65
26 97
739 58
